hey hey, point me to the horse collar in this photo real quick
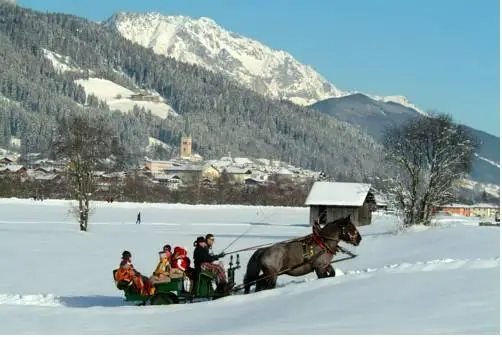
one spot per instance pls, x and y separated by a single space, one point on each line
320 242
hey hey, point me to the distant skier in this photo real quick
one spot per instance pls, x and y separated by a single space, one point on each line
138 218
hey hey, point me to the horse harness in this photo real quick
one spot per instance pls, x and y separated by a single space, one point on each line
309 244
308 251
316 239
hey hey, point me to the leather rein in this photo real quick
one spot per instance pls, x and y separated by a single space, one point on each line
320 241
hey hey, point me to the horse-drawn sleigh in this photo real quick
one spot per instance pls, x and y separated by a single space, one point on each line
295 257
173 291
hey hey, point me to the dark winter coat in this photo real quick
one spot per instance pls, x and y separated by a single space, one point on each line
201 255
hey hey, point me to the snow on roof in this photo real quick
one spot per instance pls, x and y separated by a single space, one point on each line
264 161
187 167
337 194
206 165
118 174
217 164
196 157
455 205
45 169
12 168
243 161
237 170
485 205
284 171
258 178
45 176
161 176
480 205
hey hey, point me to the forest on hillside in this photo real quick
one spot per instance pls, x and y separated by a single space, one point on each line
221 116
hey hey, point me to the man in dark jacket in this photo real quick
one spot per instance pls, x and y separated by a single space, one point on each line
203 260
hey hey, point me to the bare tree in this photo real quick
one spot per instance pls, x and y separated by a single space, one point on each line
429 155
83 141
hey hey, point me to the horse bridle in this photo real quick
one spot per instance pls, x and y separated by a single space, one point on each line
342 232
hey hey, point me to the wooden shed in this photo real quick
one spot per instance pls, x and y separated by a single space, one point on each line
329 201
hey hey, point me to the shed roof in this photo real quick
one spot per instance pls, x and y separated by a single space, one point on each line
13 168
337 194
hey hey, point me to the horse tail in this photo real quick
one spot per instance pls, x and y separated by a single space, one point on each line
253 270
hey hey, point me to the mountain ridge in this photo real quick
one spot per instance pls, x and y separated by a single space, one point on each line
238 57
204 43
375 116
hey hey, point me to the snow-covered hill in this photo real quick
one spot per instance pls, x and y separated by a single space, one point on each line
116 96
478 187
398 99
201 41
62 63
119 98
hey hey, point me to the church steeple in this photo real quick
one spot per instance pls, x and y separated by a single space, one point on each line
186 142
186 128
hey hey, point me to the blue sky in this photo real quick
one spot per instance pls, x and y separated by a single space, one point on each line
441 54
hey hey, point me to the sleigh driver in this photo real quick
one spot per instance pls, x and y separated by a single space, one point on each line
204 261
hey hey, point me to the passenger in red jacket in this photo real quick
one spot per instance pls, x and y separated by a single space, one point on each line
181 261
180 265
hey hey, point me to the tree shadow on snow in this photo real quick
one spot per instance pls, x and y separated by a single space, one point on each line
93 301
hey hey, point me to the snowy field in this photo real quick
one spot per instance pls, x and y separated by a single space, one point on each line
107 91
442 280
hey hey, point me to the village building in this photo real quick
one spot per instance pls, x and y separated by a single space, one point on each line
237 174
6 161
477 210
145 96
329 201
156 166
191 172
381 202
19 170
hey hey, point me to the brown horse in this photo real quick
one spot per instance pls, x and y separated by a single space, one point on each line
300 256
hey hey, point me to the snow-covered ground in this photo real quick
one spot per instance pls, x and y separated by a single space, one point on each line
61 63
118 97
56 279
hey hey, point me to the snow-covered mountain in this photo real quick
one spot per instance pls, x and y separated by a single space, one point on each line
398 99
274 73
201 41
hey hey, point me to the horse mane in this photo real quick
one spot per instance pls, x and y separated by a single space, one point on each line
340 222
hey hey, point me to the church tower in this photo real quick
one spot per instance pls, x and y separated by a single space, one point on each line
186 146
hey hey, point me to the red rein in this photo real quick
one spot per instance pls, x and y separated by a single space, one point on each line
317 239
